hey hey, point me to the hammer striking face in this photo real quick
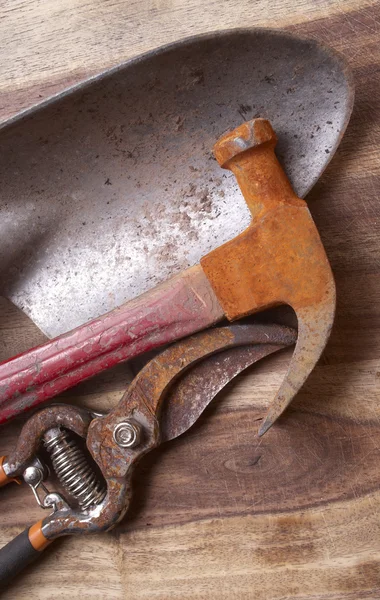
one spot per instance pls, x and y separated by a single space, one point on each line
279 259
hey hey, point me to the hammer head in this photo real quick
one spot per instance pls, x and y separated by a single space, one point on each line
279 259
248 135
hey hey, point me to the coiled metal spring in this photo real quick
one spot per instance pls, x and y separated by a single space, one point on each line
73 470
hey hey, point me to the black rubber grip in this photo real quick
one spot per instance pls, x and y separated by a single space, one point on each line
15 556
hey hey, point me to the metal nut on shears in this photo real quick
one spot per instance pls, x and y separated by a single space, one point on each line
127 434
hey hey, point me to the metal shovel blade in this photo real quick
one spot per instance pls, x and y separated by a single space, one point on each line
111 187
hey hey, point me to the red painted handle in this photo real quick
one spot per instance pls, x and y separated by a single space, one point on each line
181 306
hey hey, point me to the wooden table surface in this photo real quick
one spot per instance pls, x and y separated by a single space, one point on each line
219 515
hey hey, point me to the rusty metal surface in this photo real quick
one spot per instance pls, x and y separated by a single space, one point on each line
57 415
278 259
111 188
190 396
142 402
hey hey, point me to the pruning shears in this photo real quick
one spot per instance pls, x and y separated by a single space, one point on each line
93 455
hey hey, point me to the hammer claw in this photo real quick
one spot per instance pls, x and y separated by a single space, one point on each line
314 327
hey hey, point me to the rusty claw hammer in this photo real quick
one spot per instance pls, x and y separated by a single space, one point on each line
279 259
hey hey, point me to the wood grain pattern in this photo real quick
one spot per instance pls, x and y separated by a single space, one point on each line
218 515
46 48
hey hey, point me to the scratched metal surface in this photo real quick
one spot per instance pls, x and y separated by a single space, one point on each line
111 188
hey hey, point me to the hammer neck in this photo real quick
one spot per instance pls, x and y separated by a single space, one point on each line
261 179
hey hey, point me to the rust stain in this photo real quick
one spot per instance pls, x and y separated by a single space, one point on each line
279 259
